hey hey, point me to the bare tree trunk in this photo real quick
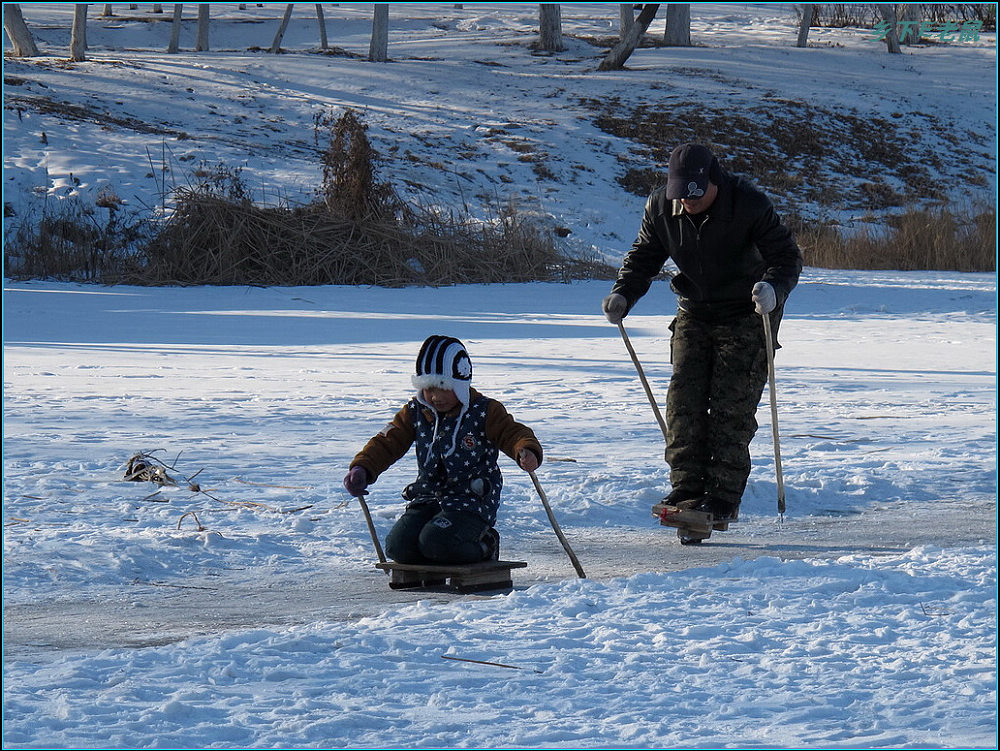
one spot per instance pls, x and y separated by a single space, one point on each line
322 26
107 11
891 38
175 29
78 37
276 44
201 41
18 32
911 15
804 23
626 19
550 28
622 51
378 51
678 30
157 8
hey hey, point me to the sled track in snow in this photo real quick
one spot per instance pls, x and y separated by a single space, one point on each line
150 613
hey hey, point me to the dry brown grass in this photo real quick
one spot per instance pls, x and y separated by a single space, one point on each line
358 231
76 242
212 240
916 240
832 161
802 153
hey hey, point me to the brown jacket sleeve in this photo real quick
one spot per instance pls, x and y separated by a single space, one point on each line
507 434
388 447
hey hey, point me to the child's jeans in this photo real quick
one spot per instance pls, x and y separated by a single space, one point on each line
426 534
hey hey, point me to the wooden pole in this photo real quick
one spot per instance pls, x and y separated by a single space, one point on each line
769 339
371 529
645 383
555 526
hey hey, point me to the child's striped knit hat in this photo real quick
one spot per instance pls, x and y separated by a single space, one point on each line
444 363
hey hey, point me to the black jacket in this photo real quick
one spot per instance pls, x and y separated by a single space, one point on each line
741 242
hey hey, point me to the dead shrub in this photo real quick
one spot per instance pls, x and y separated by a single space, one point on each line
351 188
212 240
74 241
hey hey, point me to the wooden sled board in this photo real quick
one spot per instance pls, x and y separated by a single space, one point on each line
464 577
692 526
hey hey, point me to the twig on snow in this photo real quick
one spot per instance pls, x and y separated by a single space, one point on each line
192 514
485 662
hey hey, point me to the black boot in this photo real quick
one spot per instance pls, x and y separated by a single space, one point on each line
721 510
491 545
683 497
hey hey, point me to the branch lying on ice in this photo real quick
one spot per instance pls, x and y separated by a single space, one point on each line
196 520
485 662
172 586
144 467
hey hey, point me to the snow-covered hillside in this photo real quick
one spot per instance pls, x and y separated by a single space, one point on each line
249 614
468 117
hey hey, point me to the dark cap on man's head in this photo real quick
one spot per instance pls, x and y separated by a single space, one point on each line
689 171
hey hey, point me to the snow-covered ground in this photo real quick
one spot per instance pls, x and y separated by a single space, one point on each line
249 614
882 635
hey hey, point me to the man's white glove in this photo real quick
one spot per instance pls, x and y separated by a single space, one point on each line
615 307
763 298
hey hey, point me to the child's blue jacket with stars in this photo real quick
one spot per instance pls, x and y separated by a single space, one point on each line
456 451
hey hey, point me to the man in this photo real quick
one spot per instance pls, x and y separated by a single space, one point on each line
737 261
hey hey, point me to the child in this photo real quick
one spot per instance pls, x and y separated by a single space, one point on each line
452 505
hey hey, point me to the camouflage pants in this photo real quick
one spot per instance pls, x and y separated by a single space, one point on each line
719 374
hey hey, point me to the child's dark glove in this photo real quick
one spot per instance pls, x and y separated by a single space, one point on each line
356 481
527 460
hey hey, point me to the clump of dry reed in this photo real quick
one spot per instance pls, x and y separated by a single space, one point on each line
921 239
358 231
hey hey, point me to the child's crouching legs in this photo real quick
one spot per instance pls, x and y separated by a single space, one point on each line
453 537
402 543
